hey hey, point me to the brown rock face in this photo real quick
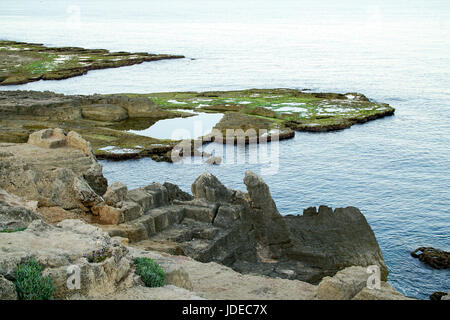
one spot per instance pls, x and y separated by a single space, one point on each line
54 169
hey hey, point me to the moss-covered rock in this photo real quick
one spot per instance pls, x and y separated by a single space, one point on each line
111 123
22 62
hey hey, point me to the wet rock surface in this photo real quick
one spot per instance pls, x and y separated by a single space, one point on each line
26 62
435 258
104 121
112 123
439 295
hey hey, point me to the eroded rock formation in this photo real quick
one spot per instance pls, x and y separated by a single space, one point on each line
245 231
54 169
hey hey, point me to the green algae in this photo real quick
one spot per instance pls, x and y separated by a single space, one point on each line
296 109
25 62
287 110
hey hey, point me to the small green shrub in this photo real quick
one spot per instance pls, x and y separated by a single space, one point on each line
30 284
150 272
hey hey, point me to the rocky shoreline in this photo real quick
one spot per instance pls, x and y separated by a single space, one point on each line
23 62
216 243
113 123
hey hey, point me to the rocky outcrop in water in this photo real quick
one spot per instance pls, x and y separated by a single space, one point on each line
26 62
435 258
102 120
439 295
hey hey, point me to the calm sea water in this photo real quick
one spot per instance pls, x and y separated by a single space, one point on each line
396 170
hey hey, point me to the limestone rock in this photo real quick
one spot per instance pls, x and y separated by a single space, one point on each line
344 285
386 292
84 193
332 240
175 193
129 211
104 112
272 230
138 107
169 247
67 176
227 216
351 283
168 292
60 247
247 233
75 141
215 281
48 138
16 213
124 241
159 195
115 193
7 289
208 187
107 214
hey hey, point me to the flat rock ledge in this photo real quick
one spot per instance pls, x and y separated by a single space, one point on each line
59 247
19 61
217 243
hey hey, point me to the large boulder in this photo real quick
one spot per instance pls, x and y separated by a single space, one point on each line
352 284
344 285
385 292
117 192
55 169
15 213
209 188
329 240
58 248
104 112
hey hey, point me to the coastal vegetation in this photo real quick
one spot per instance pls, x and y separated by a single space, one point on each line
151 273
30 284
7 230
